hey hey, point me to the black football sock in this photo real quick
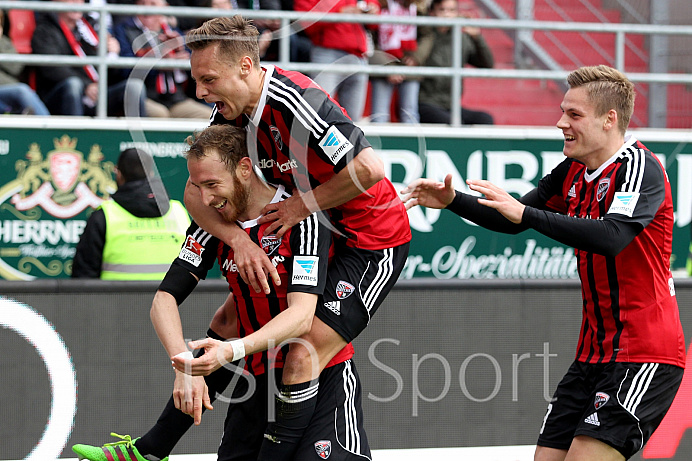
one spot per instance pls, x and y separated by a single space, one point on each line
173 423
295 406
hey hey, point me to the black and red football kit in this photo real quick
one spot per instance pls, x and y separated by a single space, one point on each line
301 258
619 219
300 137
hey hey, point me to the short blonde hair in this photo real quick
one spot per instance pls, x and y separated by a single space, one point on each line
236 36
607 89
228 141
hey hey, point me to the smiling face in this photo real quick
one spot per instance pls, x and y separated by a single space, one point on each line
588 137
232 86
219 187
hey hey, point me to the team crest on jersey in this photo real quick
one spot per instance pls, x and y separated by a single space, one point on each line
270 243
277 136
323 448
344 289
600 400
191 251
602 189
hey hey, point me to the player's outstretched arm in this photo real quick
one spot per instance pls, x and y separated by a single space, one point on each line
499 199
361 173
291 323
429 193
188 394
254 266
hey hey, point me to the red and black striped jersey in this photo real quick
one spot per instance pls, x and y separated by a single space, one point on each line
300 257
300 137
630 312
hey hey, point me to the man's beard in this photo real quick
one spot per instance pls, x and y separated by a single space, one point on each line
240 201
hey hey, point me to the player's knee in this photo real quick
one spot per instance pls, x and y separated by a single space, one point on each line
301 364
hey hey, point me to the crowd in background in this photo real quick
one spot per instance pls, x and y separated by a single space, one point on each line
163 93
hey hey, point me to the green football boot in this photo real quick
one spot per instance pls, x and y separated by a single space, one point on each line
124 450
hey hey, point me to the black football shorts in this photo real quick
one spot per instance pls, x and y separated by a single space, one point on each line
357 282
336 429
620 404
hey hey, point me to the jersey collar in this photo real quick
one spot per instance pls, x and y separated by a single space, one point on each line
279 195
259 109
629 142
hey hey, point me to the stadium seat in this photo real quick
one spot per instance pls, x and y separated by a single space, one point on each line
22 25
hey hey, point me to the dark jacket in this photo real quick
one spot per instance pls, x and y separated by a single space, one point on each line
48 38
435 50
138 199
129 32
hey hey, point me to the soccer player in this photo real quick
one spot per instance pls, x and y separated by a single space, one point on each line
610 199
222 172
300 138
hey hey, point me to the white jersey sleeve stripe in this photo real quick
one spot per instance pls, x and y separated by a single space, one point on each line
300 104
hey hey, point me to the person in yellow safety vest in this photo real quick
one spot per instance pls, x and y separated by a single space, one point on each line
137 234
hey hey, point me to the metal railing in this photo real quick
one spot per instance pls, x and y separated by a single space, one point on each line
287 18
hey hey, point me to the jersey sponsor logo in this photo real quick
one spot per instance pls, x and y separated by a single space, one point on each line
229 265
600 400
592 419
305 270
344 289
323 448
602 188
191 252
572 191
277 136
334 306
265 164
335 145
624 203
270 243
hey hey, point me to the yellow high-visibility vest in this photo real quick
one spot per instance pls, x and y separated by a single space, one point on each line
141 248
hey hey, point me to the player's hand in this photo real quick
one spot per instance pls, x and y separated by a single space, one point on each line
254 265
214 358
189 394
285 214
429 193
499 199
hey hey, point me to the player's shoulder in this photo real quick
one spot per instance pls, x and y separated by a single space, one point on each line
641 162
292 78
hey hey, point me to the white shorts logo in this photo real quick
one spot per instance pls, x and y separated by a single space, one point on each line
624 203
305 270
335 145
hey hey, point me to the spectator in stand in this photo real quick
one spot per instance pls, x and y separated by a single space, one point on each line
435 50
341 43
138 233
152 36
74 90
15 97
395 45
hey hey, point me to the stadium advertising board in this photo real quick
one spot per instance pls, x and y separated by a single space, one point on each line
81 359
52 178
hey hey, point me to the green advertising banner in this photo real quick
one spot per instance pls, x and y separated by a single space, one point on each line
55 172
